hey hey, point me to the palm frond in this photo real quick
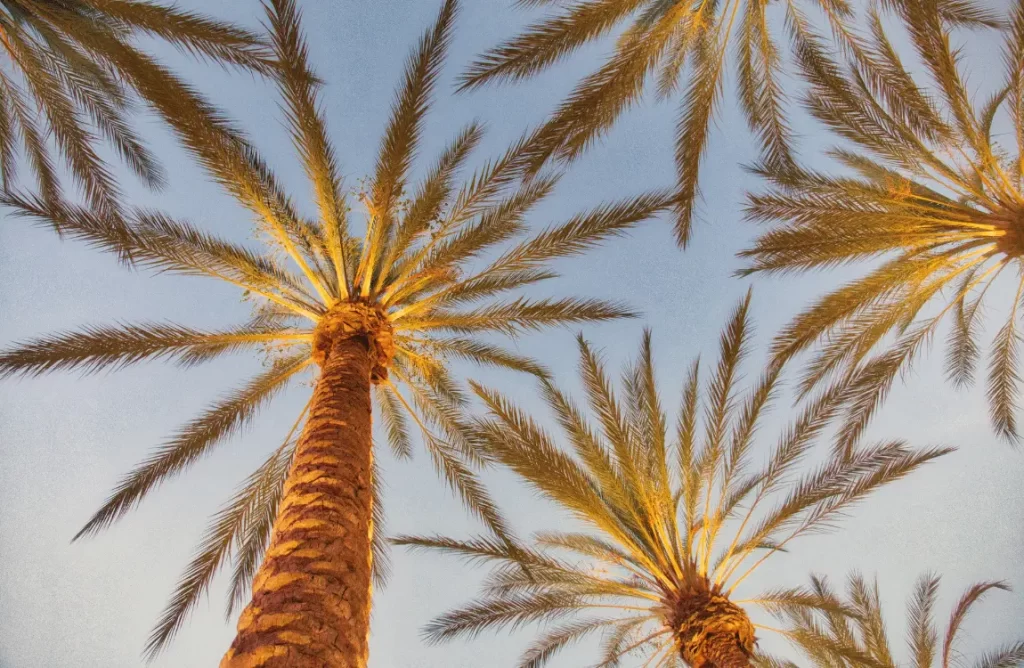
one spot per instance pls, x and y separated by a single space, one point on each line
309 133
1003 377
597 101
32 140
227 530
194 440
922 634
402 135
763 100
395 422
544 44
520 315
380 546
510 611
486 354
190 31
98 348
557 639
963 606
700 98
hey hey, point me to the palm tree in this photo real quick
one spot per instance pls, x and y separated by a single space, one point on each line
669 40
74 61
859 640
380 316
929 192
677 524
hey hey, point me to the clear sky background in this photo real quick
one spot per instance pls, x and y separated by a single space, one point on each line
66 440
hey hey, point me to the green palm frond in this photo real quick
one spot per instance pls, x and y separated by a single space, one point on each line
669 41
859 637
418 264
62 57
928 194
669 519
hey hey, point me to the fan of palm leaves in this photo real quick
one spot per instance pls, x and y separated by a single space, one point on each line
669 40
678 524
860 640
75 62
931 193
419 261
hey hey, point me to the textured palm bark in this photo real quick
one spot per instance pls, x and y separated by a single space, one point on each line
713 632
310 604
721 651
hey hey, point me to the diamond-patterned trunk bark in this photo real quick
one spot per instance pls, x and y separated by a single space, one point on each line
713 632
310 604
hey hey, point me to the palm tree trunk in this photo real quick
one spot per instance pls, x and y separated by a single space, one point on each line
310 602
713 632
720 651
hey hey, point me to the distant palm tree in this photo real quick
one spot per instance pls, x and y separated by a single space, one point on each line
74 60
677 524
859 639
380 315
663 37
931 194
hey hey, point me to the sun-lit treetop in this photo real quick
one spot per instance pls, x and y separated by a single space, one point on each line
676 516
423 269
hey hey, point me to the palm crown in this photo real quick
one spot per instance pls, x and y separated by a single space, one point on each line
679 525
409 281
858 638
663 37
75 60
931 193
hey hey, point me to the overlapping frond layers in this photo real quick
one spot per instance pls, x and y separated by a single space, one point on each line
861 640
69 75
679 514
668 41
441 270
928 193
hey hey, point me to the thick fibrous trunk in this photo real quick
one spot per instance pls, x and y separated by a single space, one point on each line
722 650
713 632
310 604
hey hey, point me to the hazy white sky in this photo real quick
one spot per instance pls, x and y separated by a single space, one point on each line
66 440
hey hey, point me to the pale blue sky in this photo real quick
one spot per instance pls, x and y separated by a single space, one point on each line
65 440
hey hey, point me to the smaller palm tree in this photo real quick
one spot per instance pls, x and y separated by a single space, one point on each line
859 640
75 61
931 194
678 526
